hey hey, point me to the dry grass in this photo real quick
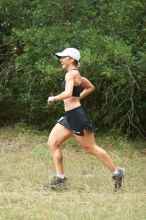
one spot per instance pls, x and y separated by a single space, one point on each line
25 165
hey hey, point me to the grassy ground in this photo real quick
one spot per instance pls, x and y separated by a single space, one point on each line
25 165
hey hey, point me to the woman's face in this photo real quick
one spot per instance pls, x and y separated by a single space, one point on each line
66 62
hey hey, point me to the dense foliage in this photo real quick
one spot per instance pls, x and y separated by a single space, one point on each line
111 36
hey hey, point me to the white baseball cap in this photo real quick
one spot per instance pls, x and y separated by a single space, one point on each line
71 52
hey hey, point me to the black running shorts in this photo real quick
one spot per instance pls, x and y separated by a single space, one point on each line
76 120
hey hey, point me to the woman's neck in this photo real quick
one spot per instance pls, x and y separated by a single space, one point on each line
72 68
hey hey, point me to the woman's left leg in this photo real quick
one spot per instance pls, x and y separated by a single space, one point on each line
89 144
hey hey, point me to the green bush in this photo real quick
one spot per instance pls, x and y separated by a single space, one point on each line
111 39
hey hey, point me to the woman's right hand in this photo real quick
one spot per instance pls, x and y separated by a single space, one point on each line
50 100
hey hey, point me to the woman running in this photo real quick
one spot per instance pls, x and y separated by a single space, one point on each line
75 122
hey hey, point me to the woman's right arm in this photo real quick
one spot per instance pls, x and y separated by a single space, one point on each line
65 94
88 88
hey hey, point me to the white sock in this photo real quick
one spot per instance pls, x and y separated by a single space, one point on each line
61 176
115 172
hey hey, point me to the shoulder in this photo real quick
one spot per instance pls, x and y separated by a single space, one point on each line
86 83
72 74
84 79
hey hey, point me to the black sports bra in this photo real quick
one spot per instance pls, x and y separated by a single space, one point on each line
76 89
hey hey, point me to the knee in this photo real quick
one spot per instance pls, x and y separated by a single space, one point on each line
52 144
94 150
89 150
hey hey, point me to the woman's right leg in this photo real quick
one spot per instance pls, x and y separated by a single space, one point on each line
58 135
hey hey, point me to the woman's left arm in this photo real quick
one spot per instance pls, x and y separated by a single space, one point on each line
88 88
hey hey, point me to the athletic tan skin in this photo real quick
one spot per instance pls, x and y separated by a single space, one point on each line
60 134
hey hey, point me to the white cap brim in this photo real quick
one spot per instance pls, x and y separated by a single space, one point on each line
71 52
61 54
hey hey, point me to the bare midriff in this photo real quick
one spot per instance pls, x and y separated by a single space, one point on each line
71 103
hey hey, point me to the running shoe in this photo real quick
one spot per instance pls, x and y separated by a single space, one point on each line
56 183
118 178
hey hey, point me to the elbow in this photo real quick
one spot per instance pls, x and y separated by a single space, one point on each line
67 95
92 89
